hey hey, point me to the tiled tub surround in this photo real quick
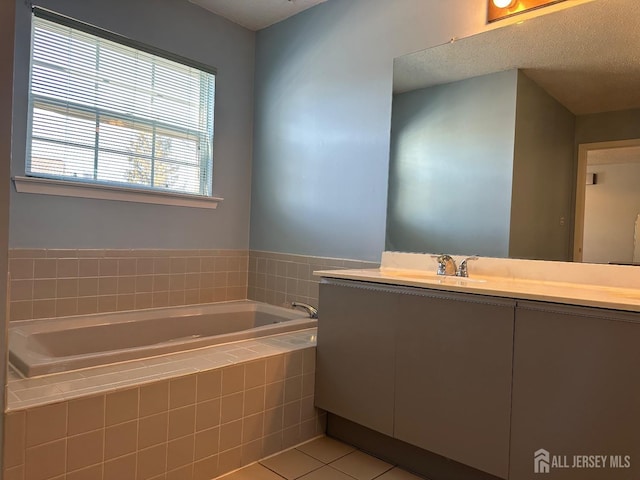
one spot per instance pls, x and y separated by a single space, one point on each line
195 416
59 283
278 278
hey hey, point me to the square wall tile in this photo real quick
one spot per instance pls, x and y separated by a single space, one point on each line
232 407
230 435
230 460
291 436
293 363
275 369
181 473
208 414
251 452
293 389
153 430
272 444
182 422
233 379
14 434
45 424
182 391
206 468
86 414
252 427
180 452
292 414
207 443
89 473
274 395
21 269
151 462
85 449
121 439
154 398
209 385
14 473
273 420
122 406
45 461
255 374
254 401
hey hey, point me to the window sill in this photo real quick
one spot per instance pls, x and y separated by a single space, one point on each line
46 186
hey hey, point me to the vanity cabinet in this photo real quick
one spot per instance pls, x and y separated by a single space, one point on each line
576 388
453 377
429 368
355 354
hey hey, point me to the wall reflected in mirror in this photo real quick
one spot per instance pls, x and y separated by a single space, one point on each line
486 135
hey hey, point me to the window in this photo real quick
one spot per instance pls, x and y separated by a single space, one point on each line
106 111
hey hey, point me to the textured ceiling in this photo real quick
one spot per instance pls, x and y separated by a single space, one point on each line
256 14
587 57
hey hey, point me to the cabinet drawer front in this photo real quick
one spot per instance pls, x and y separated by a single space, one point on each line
453 380
355 355
575 389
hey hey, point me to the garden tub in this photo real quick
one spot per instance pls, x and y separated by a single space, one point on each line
39 347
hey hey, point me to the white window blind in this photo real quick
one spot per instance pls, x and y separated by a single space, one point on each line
107 113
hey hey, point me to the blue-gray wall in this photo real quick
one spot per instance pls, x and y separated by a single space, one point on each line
543 176
451 167
176 26
322 119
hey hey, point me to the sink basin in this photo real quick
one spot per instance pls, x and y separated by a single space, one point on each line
432 277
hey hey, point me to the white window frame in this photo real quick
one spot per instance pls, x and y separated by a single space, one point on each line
43 184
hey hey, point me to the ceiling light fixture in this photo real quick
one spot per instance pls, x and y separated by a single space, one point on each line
499 9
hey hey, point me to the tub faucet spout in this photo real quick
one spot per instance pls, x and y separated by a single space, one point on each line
312 311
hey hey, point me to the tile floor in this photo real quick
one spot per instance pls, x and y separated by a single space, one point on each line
321 459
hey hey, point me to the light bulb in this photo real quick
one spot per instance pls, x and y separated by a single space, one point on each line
503 3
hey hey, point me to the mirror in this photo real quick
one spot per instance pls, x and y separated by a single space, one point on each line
487 133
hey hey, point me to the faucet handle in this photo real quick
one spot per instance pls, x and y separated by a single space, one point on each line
462 268
446 264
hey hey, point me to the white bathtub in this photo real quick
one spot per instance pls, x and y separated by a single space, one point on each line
38 347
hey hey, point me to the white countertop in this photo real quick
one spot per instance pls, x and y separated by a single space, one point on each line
617 286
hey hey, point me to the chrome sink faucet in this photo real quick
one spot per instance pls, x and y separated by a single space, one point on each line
462 268
447 265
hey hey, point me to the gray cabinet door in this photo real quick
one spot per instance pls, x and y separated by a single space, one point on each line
355 354
453 377
575 389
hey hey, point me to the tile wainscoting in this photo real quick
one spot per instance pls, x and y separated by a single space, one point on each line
49 283
279 278
58 283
